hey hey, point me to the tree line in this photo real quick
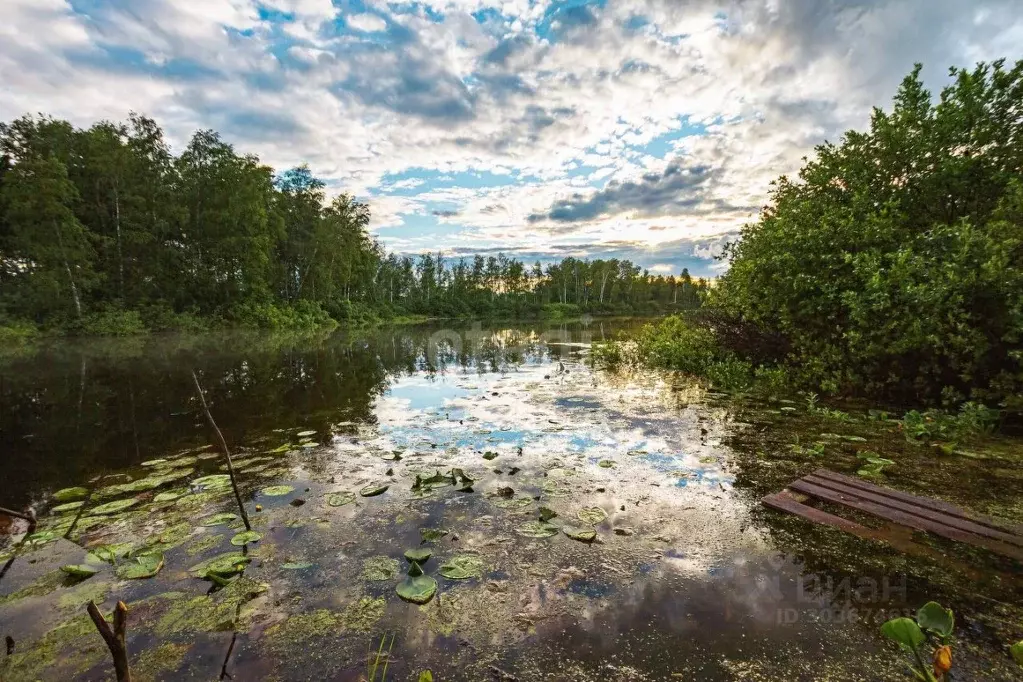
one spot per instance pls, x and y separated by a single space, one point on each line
105 229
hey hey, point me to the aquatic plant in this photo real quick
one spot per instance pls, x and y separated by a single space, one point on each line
875 464
932 623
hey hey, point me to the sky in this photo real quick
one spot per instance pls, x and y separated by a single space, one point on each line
640 129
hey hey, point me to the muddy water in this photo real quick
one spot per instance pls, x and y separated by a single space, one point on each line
687 577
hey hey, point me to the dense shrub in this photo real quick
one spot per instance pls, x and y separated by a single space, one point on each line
894 264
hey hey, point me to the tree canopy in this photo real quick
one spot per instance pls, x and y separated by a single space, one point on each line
893 264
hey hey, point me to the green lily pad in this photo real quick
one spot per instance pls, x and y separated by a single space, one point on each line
432 534
219 519
297 565
462 567
154 462
905 631
222 565
605 463
310 444
67 507
212 482
70 494
936 618
514 503
281 449
112 507
108 553
537 529
592 515
305 434
417 588
580 534
489 455
420 556
80 570
277 490
378 568
171 495
340 499
374 489
245 538
145 566
546 513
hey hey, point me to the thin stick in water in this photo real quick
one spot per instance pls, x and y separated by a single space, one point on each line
115 638
223 447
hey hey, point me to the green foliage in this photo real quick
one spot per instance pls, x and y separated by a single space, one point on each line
972 420
111 322
934 622
894 264
874 464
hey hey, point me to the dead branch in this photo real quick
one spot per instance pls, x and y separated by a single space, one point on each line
223 447
114 637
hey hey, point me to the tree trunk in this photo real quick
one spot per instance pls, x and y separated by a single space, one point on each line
67 268
120 252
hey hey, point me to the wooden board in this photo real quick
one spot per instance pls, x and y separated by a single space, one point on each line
918 513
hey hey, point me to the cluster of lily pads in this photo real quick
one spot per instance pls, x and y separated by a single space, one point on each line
417 587
546 527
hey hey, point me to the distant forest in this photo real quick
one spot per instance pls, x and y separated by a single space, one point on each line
106 231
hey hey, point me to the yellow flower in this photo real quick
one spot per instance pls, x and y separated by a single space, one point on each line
942 660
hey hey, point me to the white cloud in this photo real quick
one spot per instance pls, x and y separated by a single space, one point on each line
366 22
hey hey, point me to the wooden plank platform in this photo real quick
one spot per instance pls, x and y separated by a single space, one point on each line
918 513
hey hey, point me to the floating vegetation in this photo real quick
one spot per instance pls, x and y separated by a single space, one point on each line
277 490
112 507
537 529
417 587
378 568
606 463
432 534
374 489
246 537
580 534
221 519
154 462
462 567
340 499
142 566
212 482
305 434
222 565
108 553
70 494
67 507
546 513
297 565
489 455
513 503
80 570
171 495
592 515
420 555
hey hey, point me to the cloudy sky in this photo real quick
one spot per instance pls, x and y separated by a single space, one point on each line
647 129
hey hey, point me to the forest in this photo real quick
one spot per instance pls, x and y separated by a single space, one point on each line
891 267
106 231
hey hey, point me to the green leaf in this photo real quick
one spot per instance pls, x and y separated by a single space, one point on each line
112 507
70 494
432 534
605 463
462 567
546 513
374 489
537 529
420 556
246 537
145 566
417 588
212 482
340 499
934 617
219 519
426 676
297 565
1016 651
580 534
277 490
67 507
171 495
905 631
225 564
305 434
80 570
592 515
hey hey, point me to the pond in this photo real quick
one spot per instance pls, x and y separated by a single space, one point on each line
568 523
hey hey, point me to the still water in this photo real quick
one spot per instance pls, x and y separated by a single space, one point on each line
581 525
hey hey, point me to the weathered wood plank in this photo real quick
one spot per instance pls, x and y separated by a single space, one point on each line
924 502
785 502
910 520
937 516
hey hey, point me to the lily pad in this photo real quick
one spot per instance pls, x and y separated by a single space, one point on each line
219 519
417 587
340 499
144 566
212 482
462 567
537 529
378 568
171 495
513 503
605 463
580 534
432 534
80 570
592 515
245 538
546 513
67 507
297 565
277 490
374 489
310 444
112 507
108 553
154 462
305 434
420 556
70 494
221 565
489 455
